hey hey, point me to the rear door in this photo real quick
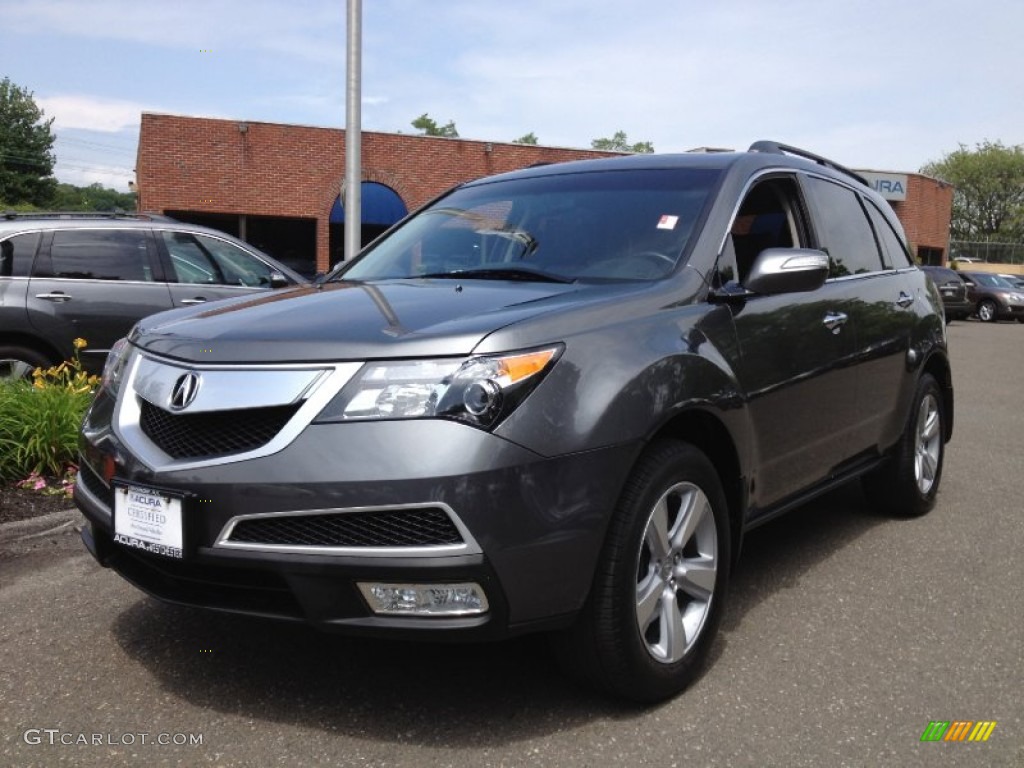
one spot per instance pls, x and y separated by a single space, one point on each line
94 284
867 255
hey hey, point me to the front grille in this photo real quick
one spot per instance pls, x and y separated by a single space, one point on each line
213 433
419 527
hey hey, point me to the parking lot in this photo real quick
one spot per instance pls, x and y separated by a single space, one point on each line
847 634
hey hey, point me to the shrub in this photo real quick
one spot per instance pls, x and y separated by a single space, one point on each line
39 420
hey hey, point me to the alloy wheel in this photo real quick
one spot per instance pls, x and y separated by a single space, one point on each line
928 443
15 369
676 572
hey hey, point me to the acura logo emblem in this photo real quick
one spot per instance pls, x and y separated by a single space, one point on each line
185 390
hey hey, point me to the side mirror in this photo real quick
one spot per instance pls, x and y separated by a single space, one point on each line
787 270
277 280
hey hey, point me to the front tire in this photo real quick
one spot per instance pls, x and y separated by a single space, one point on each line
987 311
907 484
659 588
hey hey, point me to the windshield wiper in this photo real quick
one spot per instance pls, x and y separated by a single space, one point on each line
501 273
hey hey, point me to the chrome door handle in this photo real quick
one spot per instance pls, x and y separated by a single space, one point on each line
905 300
193 301
57 296
834 321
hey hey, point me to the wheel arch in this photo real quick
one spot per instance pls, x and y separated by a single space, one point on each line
708 433
34 343
938 366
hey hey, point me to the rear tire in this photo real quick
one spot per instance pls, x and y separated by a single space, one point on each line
659 587
907 484
19 362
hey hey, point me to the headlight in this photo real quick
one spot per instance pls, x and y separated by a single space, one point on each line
479 390
114 368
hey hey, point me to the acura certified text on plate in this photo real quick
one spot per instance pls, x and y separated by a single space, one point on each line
148 520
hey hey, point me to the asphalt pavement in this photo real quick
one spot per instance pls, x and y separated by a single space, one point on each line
847 634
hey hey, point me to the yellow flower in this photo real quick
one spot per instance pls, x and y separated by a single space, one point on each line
80 343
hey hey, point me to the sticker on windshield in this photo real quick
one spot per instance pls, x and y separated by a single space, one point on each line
668 222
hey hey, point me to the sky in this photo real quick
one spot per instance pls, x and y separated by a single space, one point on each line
873 84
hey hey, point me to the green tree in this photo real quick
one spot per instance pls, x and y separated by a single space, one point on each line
530 138
988 190
95 197
619 143
26 148
429 127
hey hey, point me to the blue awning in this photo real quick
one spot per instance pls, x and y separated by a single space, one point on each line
381 206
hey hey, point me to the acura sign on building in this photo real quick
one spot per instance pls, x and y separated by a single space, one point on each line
891 186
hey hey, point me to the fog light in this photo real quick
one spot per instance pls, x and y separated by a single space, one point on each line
425 599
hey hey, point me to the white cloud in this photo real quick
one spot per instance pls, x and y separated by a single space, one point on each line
92 113
871 83
314 32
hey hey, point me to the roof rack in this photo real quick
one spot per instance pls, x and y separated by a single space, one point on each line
116 214
777 148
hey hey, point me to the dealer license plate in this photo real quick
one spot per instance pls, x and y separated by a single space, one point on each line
149 520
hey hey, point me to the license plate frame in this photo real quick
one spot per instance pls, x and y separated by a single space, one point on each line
150 520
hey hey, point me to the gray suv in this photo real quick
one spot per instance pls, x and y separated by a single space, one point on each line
553 400
93 275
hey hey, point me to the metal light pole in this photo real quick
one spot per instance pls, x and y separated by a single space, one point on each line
352 197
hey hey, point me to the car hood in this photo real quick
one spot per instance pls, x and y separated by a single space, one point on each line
354 321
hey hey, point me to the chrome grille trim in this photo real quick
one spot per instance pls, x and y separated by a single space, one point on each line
468 546
312 384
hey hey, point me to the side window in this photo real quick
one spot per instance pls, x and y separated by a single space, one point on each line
98 254
894 252
770 216
210 261
16 254
190 262
847 235
238 266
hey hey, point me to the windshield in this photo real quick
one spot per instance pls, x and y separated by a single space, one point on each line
609 225
991 281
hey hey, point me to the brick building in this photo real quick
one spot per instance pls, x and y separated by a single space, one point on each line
278 186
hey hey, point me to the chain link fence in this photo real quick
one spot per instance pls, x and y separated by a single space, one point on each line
992 253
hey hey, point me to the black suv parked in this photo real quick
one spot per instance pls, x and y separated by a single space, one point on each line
953 291
93 275
554 399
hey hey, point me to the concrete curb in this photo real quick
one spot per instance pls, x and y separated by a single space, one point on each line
37 527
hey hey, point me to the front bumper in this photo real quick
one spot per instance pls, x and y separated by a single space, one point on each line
532 526
1012 312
